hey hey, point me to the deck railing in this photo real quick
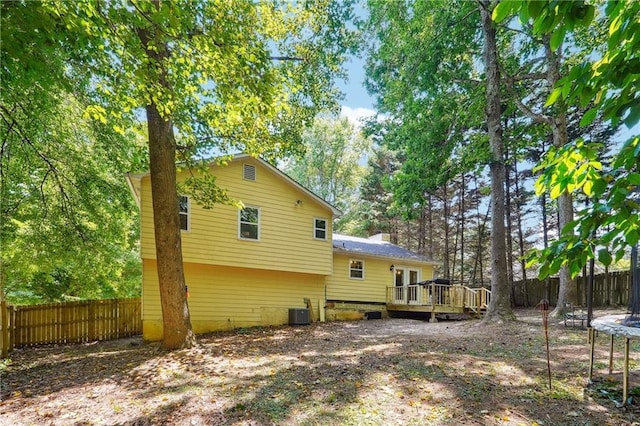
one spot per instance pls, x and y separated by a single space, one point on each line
455 296
477 299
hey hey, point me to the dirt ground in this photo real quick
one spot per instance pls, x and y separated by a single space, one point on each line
376 372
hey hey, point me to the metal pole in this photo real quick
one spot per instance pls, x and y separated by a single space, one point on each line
625 373
592 344
590 292
590 283
611 355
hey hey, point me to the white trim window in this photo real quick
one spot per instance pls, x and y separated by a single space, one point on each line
319 228
184 212
356 269
249 223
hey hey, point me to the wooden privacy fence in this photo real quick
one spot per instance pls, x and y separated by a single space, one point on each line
610 289
69 322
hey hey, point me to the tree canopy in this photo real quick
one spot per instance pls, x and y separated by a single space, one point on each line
607 81
68 223
330 165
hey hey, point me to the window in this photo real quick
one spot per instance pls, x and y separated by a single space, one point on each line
183 211
249 172
356 269
320 229
249 223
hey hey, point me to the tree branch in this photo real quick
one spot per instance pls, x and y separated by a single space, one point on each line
466 80
530 63
286 58
525 33
537 118
529 76
66 203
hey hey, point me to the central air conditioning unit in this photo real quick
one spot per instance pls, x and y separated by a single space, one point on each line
299 316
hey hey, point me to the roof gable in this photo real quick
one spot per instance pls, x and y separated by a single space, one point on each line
289 180
134 179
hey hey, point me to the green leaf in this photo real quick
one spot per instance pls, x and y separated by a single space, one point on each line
615 25
633 117
588 188
534 8
575 266
589 15
631 237
557 38
604 257
523 15
588 117
634 178
566 88
544 271
502 11
532 258
556 190
553 97
599 186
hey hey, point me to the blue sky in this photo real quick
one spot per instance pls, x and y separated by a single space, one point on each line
356 94
357 102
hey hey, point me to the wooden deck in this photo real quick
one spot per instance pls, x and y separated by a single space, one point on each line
437 299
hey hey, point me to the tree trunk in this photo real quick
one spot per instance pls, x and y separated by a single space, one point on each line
176 321
422 231
567 291
545 238
509 231
483 229
518 205
462 222
456 223
477 263
445 264
500 305
430 251
607 298
568 288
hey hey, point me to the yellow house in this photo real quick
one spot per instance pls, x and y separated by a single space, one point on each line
251 266
366 269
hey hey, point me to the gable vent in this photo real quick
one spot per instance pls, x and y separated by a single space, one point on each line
249 172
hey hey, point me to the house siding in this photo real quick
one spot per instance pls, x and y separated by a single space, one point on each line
286 226
235 282
377 277
224 298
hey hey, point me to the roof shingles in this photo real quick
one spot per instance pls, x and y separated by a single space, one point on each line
377 248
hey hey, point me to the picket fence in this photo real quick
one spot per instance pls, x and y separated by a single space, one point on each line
69 322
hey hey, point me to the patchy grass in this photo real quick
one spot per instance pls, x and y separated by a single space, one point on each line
398 371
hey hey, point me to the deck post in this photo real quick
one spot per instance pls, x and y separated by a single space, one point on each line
433 303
